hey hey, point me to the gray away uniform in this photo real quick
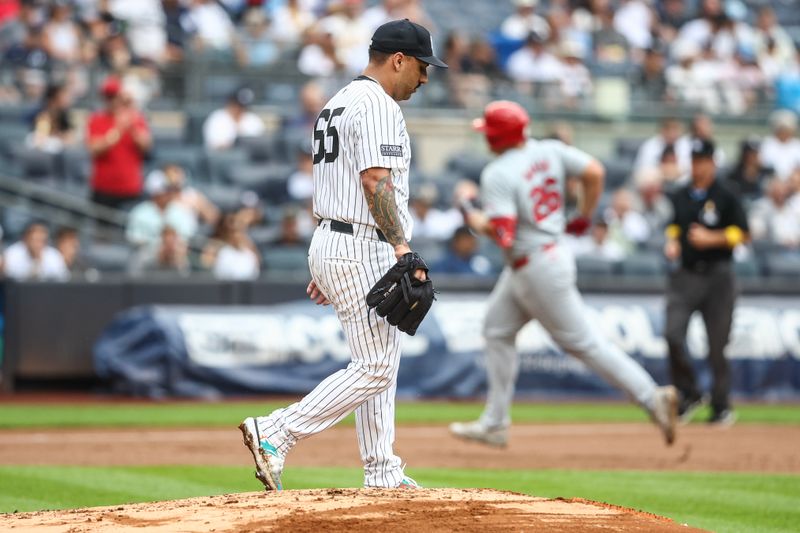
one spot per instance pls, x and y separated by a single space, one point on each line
528 183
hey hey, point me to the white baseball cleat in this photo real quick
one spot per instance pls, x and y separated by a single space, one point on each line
477 432
269 461
665 412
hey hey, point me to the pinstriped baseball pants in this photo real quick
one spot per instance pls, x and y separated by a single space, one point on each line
345 267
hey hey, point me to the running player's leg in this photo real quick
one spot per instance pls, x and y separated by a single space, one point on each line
547 287
504 319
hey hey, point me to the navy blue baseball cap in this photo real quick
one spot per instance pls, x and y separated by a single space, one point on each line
702 148
408 38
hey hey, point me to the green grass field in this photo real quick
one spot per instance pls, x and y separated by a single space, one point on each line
726 502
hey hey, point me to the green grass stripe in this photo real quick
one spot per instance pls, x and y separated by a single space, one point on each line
231 413
725 502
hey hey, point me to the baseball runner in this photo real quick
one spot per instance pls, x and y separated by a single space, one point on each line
523 210
360 260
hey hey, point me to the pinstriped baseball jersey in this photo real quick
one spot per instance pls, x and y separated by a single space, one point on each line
361 127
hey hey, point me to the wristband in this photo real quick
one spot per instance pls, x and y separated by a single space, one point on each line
734 236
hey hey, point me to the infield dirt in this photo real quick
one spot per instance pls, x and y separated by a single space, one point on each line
354 511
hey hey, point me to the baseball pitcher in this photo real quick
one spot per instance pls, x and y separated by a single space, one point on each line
523 211
360 260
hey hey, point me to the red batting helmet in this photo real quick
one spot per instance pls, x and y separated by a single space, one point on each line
503 123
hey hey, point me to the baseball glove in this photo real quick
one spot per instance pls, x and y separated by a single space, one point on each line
400 297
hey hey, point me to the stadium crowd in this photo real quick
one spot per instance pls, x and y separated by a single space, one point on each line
234 199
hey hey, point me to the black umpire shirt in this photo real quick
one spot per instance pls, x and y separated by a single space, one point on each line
717 209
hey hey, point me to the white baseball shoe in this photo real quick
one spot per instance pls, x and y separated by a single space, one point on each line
477 432
269 461
665 412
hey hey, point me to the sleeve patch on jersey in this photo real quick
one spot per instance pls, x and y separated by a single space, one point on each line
391 150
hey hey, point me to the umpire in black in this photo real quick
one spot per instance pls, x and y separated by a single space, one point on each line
708 222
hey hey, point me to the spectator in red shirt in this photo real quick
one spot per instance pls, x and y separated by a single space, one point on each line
118 140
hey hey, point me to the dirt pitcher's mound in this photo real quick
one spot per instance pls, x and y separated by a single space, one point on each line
351 510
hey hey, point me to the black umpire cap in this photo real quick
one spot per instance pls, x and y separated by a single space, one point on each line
408 38
702 148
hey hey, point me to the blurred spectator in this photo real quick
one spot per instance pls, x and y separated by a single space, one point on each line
213 29
31 63
781 150
524 21
656 209
672 15
468 76
670 134
62 37
627 227
118 139
702 127
483 60
52 127
610 46
650 82
692 79
429 221
290 22
383 12
68 244
168 255
289 234
145 27
463 256
634 19
256 47
148 219
574 78
301 182
189 197
299 126
33 259
351 35
178 29
668 170
597 244
773 45
715 30
533 63
250 210
230 253
773 219
319 58
749 175
225 125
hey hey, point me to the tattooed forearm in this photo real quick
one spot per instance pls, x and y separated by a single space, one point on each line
383 206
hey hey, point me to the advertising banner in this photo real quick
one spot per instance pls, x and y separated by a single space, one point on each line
288 348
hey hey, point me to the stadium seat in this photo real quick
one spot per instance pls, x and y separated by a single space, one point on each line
747 268
783 264
259 148
617 173
190 158
643 264
256 176
76 165
108 257
220 163
431 250
467 165
35 164
626 148
286 259
225 197
595 266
